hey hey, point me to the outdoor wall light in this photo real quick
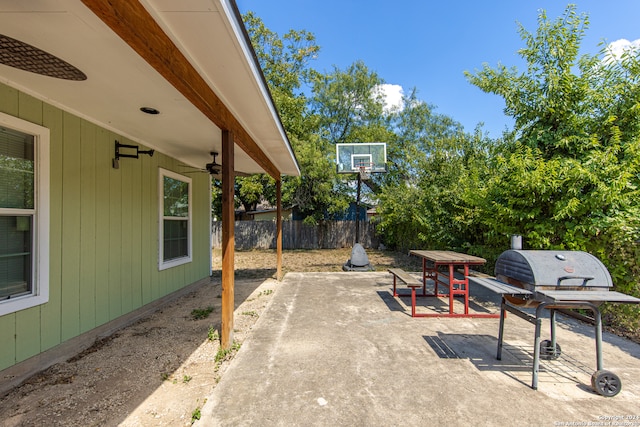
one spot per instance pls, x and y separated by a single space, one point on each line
118 154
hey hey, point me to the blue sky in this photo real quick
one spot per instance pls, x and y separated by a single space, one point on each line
429 44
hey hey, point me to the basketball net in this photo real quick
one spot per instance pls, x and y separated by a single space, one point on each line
364 173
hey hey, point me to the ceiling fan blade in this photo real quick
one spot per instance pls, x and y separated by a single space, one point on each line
193 168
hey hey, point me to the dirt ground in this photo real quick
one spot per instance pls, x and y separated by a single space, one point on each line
158 371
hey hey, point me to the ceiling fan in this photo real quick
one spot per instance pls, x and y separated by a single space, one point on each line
214 167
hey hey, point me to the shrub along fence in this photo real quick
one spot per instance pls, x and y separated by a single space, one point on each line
297 235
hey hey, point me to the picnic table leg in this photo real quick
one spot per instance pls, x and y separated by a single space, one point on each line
424 286
395 294
424 277
434 276
413 301
451 288
466 289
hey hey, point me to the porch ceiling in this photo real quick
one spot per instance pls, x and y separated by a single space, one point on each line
119 81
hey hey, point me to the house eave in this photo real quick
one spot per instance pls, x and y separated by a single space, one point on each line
208 33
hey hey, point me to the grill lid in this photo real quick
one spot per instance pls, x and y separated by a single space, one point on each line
553 269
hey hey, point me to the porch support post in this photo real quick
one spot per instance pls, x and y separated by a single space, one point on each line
279 228
228 240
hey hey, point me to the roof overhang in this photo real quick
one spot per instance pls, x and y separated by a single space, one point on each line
189 59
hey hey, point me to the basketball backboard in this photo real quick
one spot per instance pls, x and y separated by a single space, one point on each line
372 156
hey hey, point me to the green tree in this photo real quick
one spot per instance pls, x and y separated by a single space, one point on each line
568 175
348 105
316 191
285 66
285 63
434 164
253 190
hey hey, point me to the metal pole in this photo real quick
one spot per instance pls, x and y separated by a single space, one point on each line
503 314
552 321
536 347
358 209
598 321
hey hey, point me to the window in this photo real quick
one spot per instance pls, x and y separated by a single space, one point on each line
24 214
175 219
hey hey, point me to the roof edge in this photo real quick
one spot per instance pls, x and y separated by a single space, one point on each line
235 18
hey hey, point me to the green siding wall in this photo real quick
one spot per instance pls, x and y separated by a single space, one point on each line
103 233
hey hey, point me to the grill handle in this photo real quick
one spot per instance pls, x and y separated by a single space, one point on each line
584 279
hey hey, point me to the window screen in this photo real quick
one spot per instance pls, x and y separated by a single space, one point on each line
17 210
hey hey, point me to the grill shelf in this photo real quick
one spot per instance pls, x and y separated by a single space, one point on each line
554 280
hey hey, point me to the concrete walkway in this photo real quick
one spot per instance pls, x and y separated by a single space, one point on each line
336 349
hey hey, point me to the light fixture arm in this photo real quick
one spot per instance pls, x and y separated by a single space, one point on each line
118 154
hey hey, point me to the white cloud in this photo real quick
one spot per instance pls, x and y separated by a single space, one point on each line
392 95
616 49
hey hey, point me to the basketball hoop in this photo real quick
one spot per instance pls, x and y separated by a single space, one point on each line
363 158
351 157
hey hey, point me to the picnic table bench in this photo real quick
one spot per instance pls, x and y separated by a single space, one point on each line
410 281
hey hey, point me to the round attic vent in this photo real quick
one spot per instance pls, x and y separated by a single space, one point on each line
23 56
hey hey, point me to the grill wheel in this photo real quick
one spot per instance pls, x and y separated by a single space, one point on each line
606 383
546 351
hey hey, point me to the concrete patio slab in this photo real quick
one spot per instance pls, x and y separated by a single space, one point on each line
338 349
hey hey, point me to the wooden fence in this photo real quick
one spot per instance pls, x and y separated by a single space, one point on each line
296 235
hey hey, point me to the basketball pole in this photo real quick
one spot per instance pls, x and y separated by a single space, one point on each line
358 208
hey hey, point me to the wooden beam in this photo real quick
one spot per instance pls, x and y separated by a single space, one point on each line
279 229
228 242
136 27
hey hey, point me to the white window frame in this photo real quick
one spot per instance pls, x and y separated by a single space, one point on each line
40 245
163 265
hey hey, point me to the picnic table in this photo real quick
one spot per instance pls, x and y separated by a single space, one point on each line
440 267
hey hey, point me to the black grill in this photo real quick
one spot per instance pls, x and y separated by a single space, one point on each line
555 280
546 270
